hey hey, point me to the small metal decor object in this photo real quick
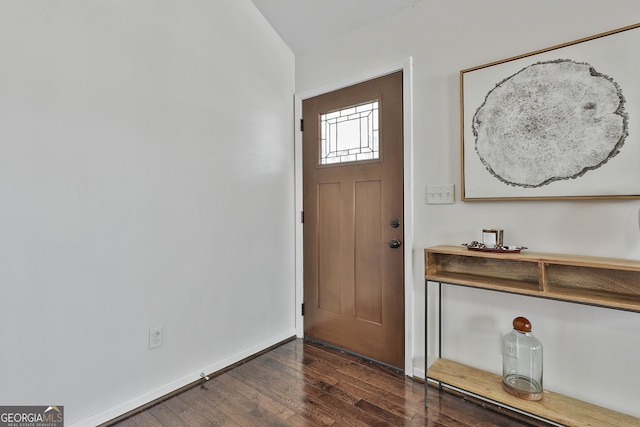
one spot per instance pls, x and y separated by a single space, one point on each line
480 247
492 237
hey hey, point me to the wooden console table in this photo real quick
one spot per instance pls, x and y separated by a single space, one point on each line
605 282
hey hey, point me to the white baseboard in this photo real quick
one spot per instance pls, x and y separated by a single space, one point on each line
157 393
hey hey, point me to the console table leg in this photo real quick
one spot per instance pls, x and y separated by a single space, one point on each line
426 316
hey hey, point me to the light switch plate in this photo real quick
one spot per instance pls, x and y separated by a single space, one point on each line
440 194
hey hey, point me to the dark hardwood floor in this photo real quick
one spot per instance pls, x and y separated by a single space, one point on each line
304 384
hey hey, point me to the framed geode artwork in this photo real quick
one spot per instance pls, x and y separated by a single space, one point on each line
558 123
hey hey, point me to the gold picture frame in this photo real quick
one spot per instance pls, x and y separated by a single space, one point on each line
557 123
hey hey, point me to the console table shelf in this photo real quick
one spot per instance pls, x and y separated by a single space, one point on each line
606 282
553 406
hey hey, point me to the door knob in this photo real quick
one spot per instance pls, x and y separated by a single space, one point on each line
395 223
394 243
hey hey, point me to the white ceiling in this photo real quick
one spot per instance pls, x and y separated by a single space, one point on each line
303 24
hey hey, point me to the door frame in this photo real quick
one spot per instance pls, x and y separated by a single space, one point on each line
406 66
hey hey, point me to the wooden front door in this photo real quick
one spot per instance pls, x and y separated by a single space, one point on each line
353 212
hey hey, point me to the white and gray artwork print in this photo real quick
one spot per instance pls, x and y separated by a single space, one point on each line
550 121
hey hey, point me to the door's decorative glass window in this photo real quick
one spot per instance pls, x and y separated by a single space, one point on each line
350 134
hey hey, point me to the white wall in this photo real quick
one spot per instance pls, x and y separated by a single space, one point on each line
146 178
444 38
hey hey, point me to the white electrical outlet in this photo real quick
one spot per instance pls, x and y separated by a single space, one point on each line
155 337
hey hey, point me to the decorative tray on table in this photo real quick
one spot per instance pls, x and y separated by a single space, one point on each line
477 246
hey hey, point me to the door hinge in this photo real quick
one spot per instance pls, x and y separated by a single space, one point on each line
302 309
301 125
302 217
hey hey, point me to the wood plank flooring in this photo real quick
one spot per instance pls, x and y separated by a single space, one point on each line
306 384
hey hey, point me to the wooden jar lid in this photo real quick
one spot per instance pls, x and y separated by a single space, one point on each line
522 324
